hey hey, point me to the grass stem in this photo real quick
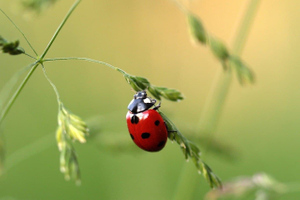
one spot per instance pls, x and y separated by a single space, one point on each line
52 84
88 60
17 92
216 99
59 29
220 89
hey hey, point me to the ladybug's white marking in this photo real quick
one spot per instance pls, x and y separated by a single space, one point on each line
147 100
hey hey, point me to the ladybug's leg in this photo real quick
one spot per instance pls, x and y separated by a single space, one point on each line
157 107
169 131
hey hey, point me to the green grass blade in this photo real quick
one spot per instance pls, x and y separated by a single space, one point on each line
17 92
8 87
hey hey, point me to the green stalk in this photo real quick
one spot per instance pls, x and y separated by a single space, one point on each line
59 29
17 92
53 86
242 32
85 59
220 88
215 102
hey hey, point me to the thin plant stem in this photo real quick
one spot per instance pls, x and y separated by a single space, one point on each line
88 60
242 31
20 32
220 88
216 100
59 29
17 92
52 84
187 183
26 54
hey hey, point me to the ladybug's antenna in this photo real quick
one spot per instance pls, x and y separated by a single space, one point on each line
157 107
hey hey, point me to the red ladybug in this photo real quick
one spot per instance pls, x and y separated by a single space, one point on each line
146 127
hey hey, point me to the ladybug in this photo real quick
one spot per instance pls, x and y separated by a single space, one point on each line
146 126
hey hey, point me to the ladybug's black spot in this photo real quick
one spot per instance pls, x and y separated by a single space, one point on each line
157 122
145 135
161 143
131 136
134 119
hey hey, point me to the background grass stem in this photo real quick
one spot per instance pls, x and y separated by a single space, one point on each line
220 89
187 183
216 99
28 151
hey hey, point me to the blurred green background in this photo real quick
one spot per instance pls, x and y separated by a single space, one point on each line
150 39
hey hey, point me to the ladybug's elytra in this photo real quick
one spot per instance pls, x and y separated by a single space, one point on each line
146 126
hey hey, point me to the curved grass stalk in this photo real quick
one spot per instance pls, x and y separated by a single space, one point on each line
137 83
52 84
86 59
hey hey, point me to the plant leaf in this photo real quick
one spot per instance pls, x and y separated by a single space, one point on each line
218 48
37 5
139 83
196 28
11 48
244 73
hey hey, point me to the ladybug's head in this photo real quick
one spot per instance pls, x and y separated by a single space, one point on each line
140 102
140 95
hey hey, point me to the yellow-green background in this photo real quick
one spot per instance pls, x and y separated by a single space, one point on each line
150 38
